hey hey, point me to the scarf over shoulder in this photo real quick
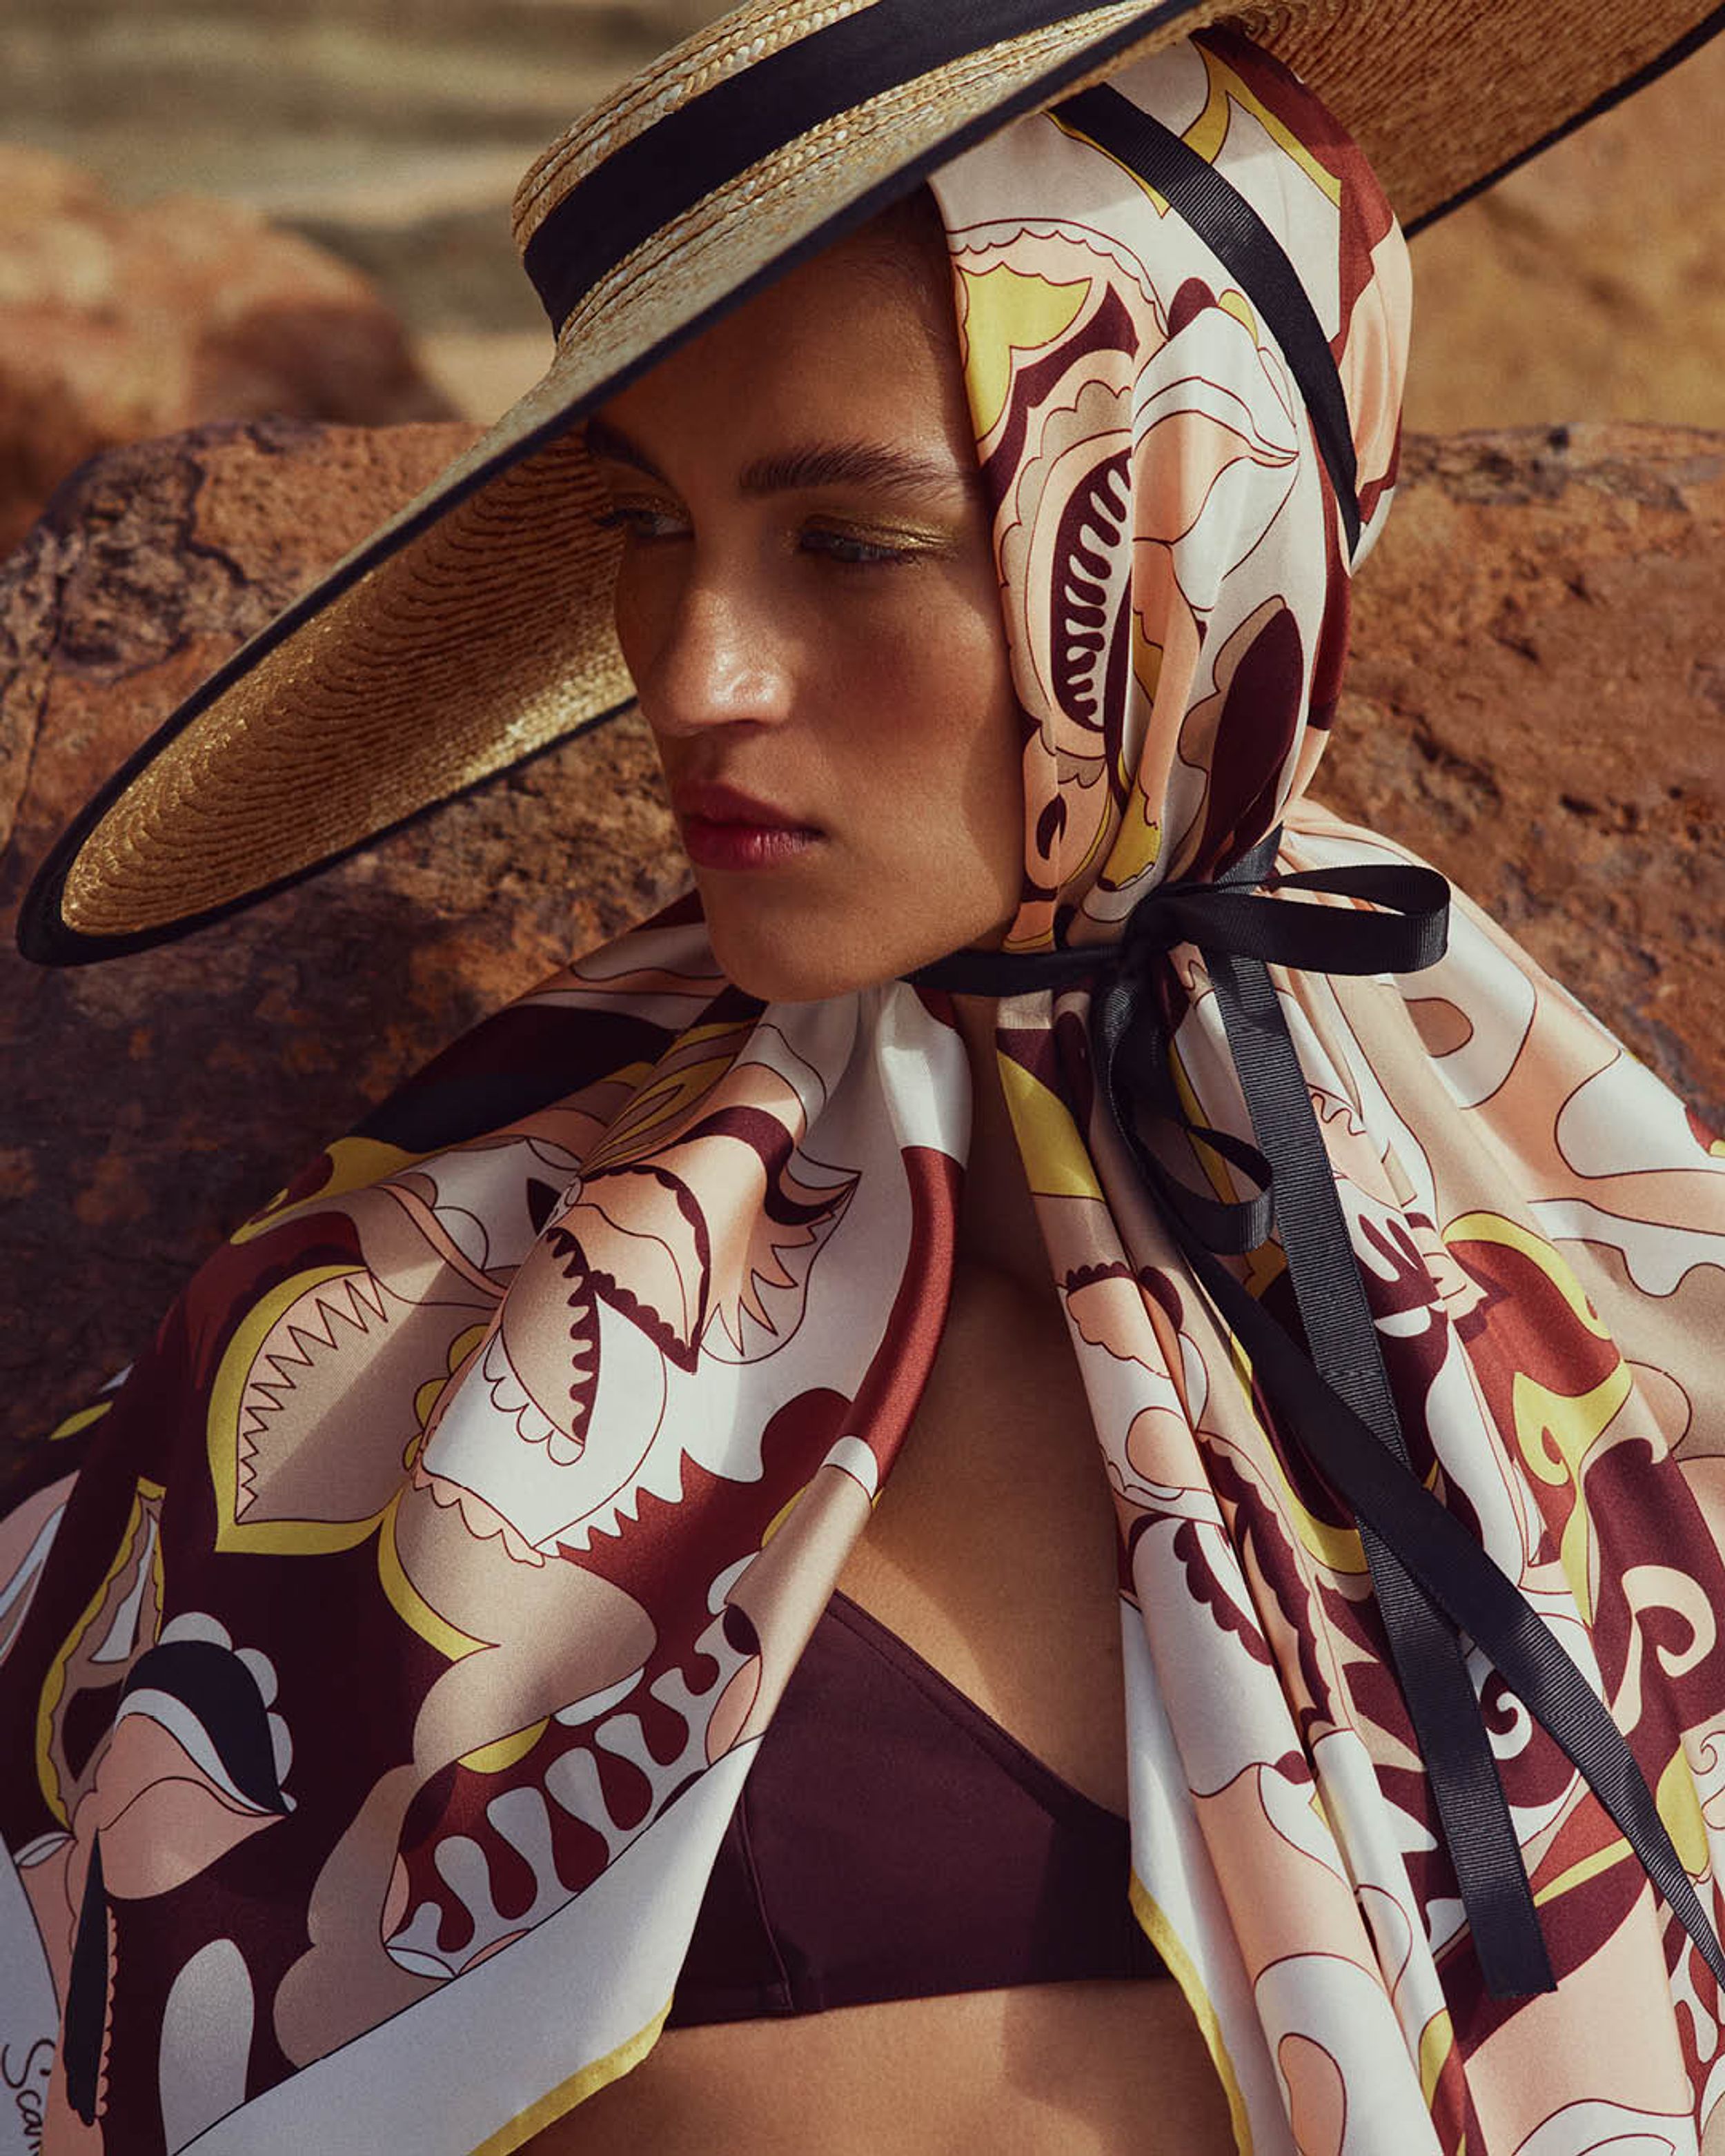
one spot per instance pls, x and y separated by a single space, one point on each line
387 1654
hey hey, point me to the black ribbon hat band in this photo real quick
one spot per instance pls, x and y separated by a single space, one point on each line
671 167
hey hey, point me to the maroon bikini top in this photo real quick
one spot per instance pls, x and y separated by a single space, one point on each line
964 1865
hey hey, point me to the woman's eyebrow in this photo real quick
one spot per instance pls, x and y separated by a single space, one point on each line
873 465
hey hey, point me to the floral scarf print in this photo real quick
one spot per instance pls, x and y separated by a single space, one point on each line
386 1654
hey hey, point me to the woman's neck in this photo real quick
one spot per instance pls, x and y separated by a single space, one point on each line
997 1216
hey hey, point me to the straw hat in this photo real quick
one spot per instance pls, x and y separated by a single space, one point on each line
473 628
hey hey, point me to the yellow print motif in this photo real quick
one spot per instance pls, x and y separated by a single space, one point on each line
667 1094
1555 1432
1008 312
1210 130
140 1523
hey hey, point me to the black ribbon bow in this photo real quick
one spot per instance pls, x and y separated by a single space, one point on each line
1433 1581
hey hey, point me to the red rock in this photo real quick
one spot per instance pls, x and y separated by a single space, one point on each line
1536 703
118 323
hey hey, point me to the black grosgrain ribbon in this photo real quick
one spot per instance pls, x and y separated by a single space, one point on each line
1248 251
1433 1581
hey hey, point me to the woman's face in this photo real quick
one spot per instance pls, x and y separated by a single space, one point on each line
808 605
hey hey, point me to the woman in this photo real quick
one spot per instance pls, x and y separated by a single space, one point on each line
793 800
392 1667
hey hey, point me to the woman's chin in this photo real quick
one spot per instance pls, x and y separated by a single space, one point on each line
776 975
792 953
791 961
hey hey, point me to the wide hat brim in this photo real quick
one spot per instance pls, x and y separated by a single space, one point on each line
472 629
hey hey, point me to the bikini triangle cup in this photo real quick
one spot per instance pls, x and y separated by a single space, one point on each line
819 1899
653 1276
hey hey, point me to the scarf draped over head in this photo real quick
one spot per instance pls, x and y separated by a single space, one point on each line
386 1658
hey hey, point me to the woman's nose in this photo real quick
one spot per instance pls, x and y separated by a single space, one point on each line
718 660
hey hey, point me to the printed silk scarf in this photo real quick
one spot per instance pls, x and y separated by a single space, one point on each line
386 1660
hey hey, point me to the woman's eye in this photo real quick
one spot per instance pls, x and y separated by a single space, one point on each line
846 547
637 521
645 525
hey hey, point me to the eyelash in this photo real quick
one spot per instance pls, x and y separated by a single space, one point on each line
639 525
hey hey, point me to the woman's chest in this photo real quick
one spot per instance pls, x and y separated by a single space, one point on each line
992 1551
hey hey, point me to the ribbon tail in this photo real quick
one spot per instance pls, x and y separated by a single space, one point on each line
1346 1388
1459 1577
1432 1580
1453 1739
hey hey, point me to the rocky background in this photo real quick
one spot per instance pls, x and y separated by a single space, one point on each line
382 139
1538 700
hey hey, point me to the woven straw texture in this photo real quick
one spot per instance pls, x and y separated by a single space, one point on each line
488 636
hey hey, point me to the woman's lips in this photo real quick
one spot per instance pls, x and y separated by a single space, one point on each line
717 845
723 829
